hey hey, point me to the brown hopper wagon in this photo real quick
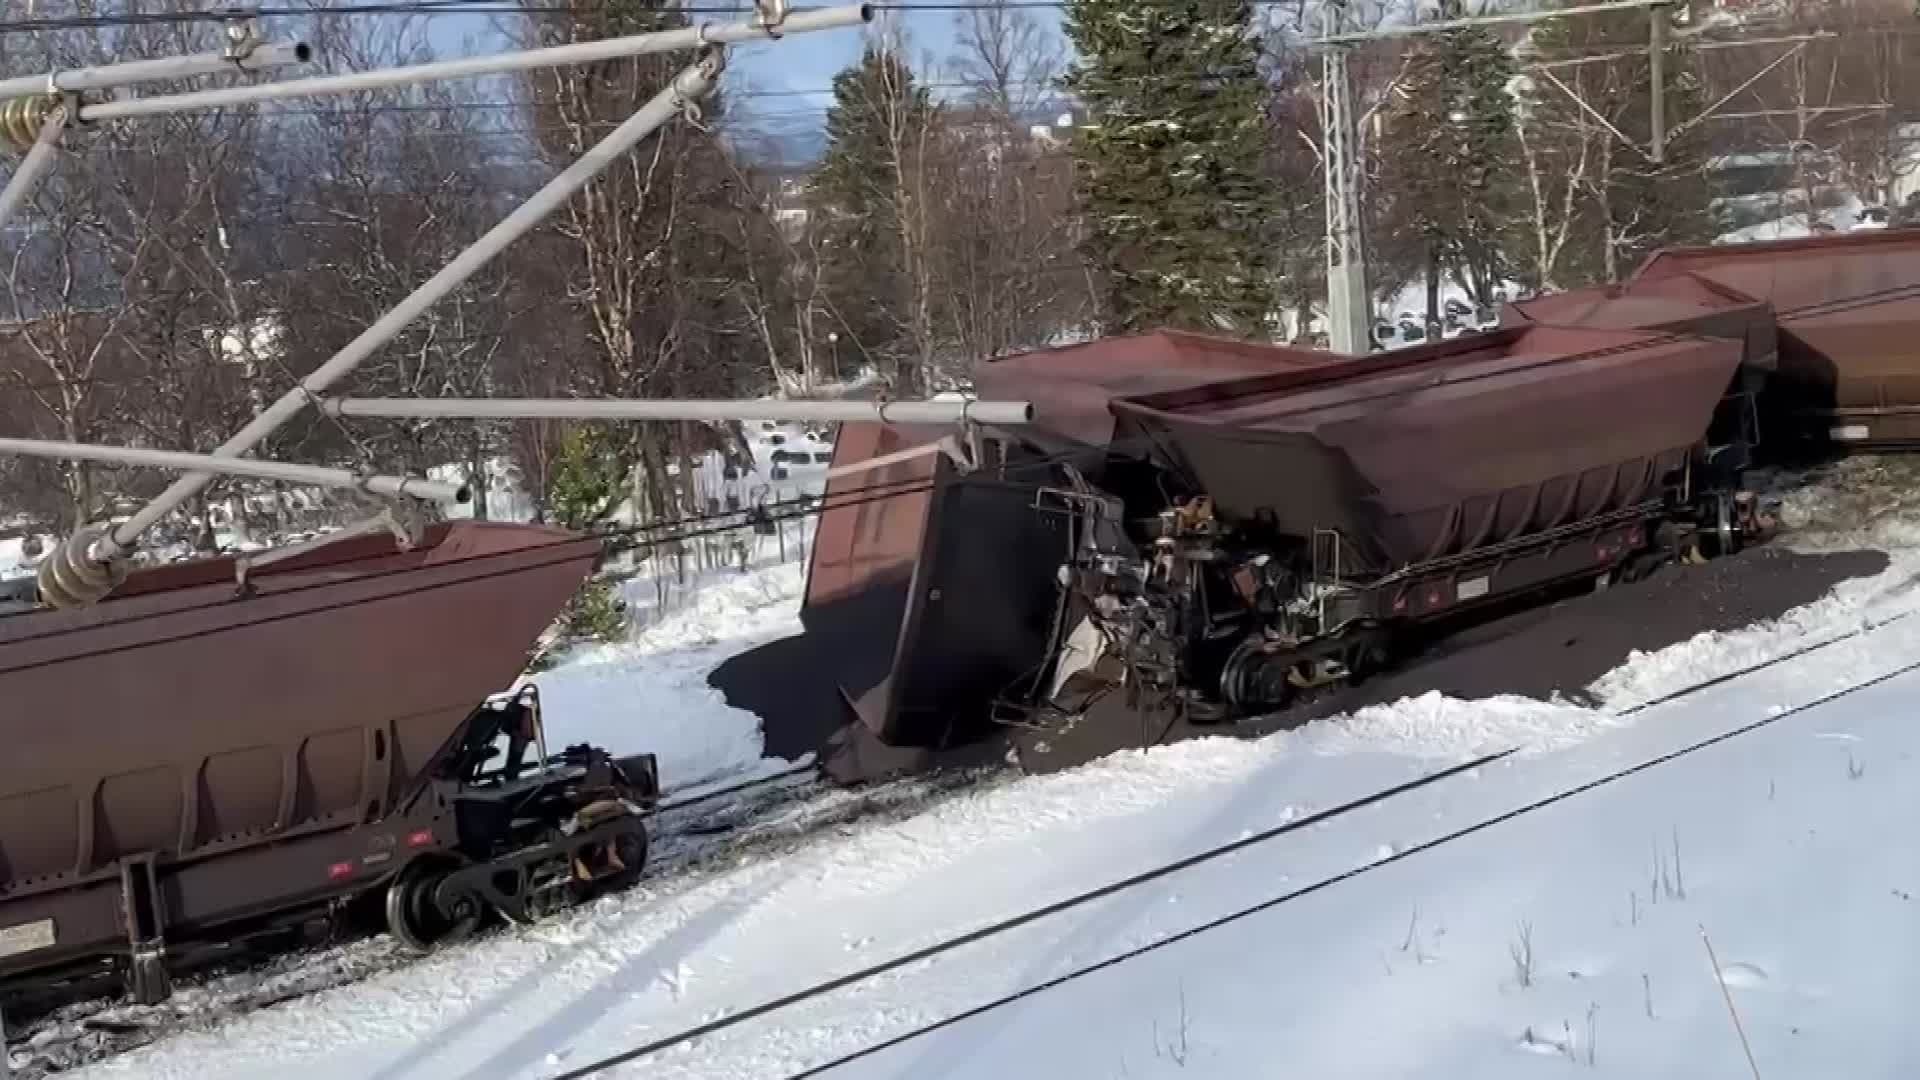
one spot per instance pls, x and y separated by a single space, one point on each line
1682 303
1221 524
219 750
929 586
1848 311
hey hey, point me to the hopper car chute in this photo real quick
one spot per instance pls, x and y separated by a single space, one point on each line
231 748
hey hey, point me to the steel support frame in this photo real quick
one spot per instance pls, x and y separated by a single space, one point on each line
693 83
820 412
1349 296
248 56
773 22
411 487
92 555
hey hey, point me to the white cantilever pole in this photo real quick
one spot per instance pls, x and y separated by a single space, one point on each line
824 412
77 80
691 37
412 487
692 83
40 157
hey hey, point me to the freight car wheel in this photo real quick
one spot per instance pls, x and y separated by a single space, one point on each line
628 854
416 921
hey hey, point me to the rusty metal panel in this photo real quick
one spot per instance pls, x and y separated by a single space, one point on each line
1683 303
1803 273
875 520
867 549
1848 306
186 719
928 591
1442 449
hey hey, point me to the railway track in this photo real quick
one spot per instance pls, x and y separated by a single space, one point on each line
698 834
826 988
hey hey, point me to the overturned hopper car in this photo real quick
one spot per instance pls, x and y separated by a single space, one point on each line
1219 543
930 584
226 746
1848 310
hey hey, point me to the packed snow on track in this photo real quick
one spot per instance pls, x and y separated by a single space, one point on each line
1481 925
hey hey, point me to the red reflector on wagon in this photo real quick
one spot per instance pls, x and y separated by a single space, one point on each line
340 870
420 839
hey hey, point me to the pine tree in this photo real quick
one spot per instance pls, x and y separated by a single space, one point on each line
1169 164
871 224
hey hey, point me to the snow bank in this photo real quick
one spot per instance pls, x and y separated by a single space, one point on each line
1419 951
1862 503
650 694
1434 725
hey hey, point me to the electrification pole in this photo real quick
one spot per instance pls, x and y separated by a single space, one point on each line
1349 303
1657 63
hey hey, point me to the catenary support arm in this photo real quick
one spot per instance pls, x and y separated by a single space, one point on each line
692 83
260 58
317 475
692 37
824 412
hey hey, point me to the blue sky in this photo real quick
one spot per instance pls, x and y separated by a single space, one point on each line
777 89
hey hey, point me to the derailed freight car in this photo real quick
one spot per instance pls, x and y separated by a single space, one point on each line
1318 513
1848 313
1681 303
237 746
930 586
1221 542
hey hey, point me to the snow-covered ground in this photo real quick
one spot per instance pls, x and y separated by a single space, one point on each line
650 694
1847 215
1572 931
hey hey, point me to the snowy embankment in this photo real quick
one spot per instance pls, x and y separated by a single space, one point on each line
650 694
1473 957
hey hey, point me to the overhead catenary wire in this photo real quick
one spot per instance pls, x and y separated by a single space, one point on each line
678 38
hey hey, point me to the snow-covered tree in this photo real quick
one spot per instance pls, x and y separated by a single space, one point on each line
1451 187
1170 163
874 213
